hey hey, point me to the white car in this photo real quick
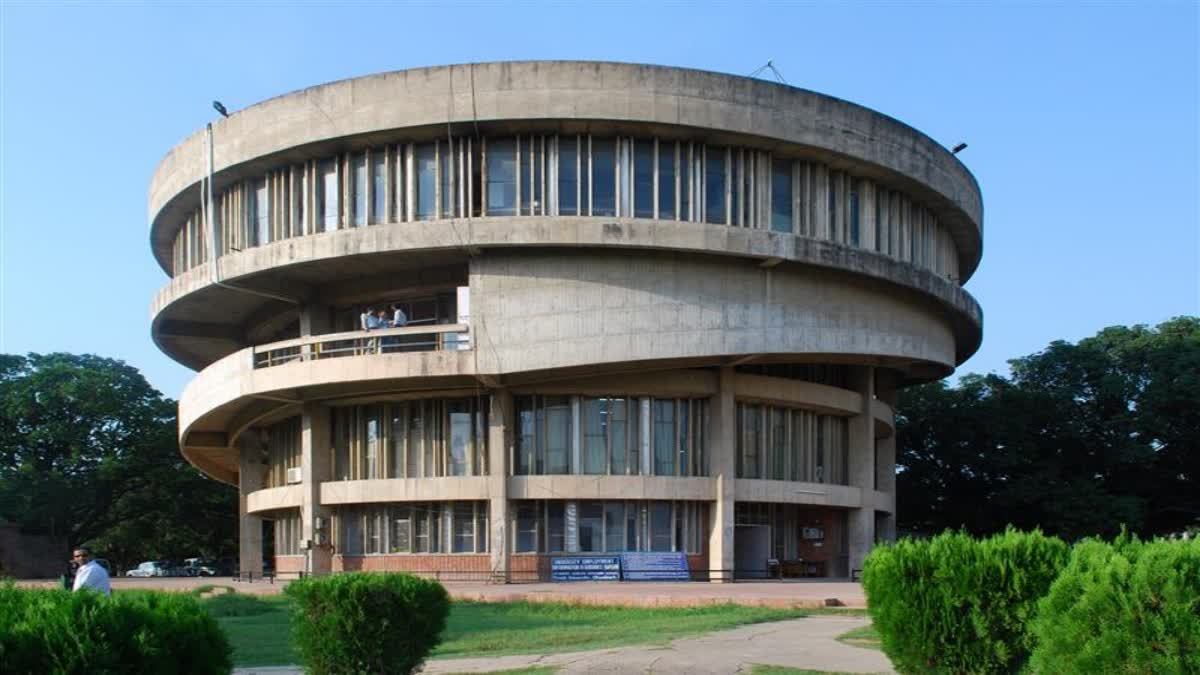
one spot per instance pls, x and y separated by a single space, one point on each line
153 568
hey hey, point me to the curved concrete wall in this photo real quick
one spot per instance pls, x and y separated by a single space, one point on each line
573 91
533 311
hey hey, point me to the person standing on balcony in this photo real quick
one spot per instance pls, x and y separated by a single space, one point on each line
399 318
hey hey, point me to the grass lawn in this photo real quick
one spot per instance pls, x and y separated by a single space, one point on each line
866 637
258 626
760 669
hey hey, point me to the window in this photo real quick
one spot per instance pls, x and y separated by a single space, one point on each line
610 526
643 179
502 177
714 185
288 533
446 180
595 423
426 181
410 439
781 195
854 218
359 186
604 177
664 437
283 451
666 180
379 210
262 213
464 527
791 444
328 196
568 175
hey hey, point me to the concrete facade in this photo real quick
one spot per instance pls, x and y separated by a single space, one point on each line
650 309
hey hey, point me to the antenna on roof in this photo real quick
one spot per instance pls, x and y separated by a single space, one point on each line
769 65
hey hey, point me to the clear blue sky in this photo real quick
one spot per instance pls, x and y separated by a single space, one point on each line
1081 118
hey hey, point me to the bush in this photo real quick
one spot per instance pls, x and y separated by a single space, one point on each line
954 604
54 631
366 622
1128 607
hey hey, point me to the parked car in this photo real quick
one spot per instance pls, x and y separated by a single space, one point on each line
202 567
152 568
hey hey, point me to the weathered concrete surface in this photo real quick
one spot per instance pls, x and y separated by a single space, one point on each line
322 119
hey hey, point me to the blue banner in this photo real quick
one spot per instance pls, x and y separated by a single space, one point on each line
655 567
585 568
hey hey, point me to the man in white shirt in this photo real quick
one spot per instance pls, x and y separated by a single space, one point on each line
90 574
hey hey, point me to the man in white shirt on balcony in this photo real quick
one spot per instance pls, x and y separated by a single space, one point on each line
90 574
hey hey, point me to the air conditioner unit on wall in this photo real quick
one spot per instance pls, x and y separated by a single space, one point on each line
812 533
295 475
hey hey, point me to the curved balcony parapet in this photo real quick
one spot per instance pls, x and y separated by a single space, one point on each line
360 343
796 492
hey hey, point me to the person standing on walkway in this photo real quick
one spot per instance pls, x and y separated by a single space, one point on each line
91 574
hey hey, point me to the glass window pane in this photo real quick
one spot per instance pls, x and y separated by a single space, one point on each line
460 436
643 179
568 176
558 435
664 437
464 527
426 180
595 419
555 522
372 437
666 180
502 177
614 526
781 195
604 177
352 532
378 186
714 185
445 176
854 217
329 196
526 441
660 526
401 535
262 214
591 518
360 190
527 527
618 431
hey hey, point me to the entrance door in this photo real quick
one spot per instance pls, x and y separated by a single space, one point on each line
751 548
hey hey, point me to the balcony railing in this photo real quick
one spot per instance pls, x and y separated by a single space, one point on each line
360 342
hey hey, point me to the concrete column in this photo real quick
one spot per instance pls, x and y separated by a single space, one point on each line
885 456
500 443
315 467
250 527
861 468
724 469
314 319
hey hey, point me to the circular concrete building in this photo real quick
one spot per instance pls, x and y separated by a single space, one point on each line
488 320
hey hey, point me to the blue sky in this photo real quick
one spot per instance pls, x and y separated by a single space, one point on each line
1081 118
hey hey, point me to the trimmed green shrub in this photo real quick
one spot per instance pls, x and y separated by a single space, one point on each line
46 631
1128 607
366 622
955 604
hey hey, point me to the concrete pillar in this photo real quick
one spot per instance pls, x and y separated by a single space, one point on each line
314 319
250 527
885 456
861 468
724 470
315 467
500 442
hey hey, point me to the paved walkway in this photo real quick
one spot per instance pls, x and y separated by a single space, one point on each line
800 643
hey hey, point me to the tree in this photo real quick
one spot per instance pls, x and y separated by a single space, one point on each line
1080 439
88 452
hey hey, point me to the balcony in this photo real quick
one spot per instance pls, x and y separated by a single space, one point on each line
444 337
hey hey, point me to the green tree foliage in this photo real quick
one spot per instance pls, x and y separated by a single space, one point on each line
954 604
1129 607
367 622
88 452
1080 439
53 632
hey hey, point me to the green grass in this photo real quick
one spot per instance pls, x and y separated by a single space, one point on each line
866 637
763 669
258 627
498 629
